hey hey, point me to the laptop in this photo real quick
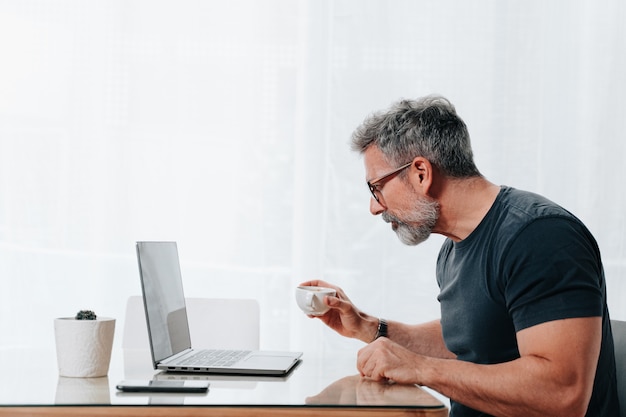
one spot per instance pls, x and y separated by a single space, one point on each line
168 326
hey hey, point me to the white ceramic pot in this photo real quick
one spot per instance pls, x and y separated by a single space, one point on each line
84 346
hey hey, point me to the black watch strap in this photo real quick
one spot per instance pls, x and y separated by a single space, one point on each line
382 329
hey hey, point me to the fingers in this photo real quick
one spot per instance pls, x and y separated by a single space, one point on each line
343 316
379 361
336 306
337 303
385 360
369 364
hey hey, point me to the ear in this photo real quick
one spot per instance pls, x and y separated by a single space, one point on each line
421 174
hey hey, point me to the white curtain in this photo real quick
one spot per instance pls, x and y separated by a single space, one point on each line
225 126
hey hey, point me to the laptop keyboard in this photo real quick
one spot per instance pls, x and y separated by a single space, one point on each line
215 358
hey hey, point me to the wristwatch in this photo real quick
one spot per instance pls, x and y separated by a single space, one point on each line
382 329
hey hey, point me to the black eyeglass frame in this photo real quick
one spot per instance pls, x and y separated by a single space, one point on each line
374 184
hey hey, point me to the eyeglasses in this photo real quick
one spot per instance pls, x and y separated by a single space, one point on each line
375 186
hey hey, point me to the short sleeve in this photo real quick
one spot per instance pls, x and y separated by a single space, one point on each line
553 271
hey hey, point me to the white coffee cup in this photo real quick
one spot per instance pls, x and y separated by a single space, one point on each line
311 299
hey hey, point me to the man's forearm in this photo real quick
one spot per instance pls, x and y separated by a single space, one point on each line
523 387
425 339
554 375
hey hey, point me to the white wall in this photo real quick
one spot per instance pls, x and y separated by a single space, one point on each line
225 126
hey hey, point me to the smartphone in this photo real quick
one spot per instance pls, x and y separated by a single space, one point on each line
188 386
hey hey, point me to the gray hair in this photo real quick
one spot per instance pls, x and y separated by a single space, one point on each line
428 127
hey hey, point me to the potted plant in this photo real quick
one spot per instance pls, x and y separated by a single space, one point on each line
84 343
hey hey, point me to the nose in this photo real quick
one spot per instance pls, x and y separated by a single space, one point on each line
375 207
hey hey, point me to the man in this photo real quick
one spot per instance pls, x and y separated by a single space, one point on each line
524 328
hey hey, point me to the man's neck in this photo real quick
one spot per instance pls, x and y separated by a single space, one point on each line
463 205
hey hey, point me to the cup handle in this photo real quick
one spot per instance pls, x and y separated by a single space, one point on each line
309 300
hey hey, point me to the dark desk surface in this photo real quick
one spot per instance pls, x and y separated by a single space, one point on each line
321 385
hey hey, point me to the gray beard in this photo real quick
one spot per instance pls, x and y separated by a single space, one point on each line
417 225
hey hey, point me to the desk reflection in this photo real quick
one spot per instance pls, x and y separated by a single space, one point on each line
356 390
82 391
37 389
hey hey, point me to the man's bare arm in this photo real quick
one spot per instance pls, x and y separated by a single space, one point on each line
554 375
425 339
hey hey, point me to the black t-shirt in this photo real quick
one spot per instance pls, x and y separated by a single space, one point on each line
528 262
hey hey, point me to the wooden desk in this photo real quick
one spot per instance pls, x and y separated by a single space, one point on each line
322 385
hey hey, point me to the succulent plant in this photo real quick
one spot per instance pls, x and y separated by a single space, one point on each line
85 315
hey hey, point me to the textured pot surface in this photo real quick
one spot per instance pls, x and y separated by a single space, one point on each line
84 346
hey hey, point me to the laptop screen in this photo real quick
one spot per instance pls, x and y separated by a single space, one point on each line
164 298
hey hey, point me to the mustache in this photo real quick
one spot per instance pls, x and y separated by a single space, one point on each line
388 218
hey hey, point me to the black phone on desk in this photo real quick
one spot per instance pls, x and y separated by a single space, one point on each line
150 385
